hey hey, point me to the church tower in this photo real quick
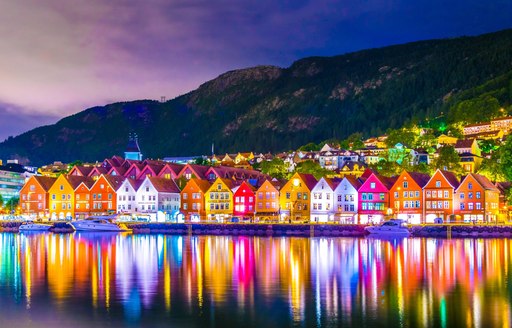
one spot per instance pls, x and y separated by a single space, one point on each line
133 149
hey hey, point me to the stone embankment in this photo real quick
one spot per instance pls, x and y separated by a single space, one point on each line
463 230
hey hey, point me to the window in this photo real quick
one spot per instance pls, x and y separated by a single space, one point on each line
462 206
446 194
382 196
219 186
363 196
428 194
185 206
185 195
478 206
470 195
470 206
417 194
61 187
405 185
288 195
305 196
260 195
477 195
411 194
372 185
339 198
396 194
405 194
470 186
461 195
446 204
299 195
438 184
147 189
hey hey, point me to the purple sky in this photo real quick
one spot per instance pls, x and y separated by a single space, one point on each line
59 57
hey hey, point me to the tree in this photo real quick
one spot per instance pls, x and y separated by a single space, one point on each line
311 167
355 141
491 168
202 161
404 136
505 158
12 204
475 110
276 168
448 160
309 147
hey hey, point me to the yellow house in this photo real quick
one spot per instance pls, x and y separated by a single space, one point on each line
443 139
267 201
295 198
62 199
219 200
243 157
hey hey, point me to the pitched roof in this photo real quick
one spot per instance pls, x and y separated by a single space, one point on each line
115 181
387 182
308 179
76 180
464 143
164 185
203 185
45 182
85 170
451 178
420 178
134 183
484 182
355 182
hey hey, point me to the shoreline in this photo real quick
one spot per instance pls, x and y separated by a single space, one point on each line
292 230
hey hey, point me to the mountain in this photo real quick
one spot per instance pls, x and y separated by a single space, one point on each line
268 108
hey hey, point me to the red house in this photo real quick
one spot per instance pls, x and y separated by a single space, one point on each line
373 196
244 200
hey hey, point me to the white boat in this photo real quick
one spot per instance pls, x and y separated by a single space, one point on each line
31 226
393 227
98 224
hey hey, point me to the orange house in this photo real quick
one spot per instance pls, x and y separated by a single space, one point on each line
104 194
477 199
267 201
34 199
295 198
192 200
406 196
62 198
83 198
438 194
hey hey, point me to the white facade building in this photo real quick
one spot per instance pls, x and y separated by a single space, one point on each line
346 200
126 196
322 201
159 198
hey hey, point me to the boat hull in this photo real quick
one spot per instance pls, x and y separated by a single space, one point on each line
91 226
387 231
34 227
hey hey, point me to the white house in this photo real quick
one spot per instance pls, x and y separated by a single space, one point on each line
159 198
345 199
322 200
126 196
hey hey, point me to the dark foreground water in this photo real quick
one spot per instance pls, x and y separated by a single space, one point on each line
97 280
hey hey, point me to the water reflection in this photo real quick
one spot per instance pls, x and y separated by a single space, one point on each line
88 278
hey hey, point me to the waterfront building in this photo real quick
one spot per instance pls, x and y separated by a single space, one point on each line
267 200
104 194
133 172
62 197
219 200
322 200
126 196
81 170
97 171
346 199
438 195
192 199
82 194
244 200
151 170
159 198
406 196
373 197
34 199
477 199
294 198
170 171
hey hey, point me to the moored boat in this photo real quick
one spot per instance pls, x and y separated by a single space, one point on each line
98 224
393 227
31 226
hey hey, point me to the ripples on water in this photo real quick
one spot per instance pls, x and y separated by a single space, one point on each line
102 279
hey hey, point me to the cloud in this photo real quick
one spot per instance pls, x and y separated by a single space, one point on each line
16 121
61 56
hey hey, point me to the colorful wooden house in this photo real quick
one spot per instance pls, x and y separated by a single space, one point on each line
159 198
170 171
190 171
346 200
267 200
126 196
438 195
193 200
62 199
295 198
34 198
477 200
104 194
244 201
373 198
82 194
407 196
322 200
219 200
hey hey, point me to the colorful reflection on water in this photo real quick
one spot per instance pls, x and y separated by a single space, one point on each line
86 280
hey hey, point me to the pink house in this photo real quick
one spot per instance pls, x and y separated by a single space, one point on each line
243 200
373 197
